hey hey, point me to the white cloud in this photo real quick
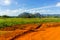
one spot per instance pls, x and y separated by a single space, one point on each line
42 10
18 11
11 12
5 2
58 4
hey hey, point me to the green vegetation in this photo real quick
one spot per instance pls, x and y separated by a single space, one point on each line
25 18
50 20
23 15
6 22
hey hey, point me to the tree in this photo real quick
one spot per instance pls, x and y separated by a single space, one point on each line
5 16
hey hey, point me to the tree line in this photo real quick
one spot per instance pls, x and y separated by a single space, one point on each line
24 15
31 15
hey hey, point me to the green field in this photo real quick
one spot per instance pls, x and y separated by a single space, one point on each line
5 22
50 20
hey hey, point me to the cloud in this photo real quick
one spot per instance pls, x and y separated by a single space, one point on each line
12 12
58 4
5 2
18 11
53 9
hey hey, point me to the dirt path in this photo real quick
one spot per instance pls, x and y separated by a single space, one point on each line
52 33
48 31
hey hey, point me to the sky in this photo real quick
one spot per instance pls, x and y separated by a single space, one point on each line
15 7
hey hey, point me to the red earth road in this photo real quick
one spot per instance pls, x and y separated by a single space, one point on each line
48 31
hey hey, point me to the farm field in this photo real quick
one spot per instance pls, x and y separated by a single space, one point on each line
5 22
29 19
30 29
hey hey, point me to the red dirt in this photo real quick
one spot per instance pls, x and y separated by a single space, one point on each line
21 26
46 31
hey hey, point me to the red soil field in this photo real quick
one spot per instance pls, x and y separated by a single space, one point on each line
45 31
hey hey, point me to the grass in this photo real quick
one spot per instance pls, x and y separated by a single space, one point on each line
5 22
50 20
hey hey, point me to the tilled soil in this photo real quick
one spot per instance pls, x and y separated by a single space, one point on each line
45 31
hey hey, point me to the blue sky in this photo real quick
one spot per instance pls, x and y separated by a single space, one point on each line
15 7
